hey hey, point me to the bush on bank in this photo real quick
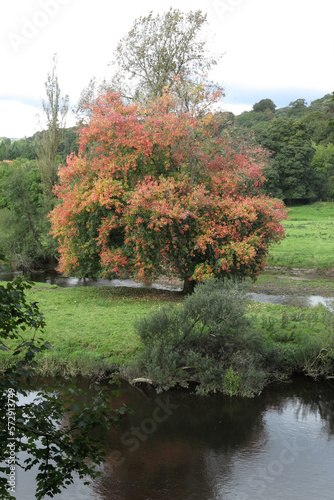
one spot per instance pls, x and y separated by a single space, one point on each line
215 339
208 339
91 332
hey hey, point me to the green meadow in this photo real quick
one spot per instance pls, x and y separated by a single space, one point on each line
90 329
309 241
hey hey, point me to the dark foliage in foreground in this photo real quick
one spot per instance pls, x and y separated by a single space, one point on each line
54 431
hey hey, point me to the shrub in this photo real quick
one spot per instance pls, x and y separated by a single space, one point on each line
207 339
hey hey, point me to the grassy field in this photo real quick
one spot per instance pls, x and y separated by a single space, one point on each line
309 241
91 329
301 339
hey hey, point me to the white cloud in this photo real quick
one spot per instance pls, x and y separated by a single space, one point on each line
236 109
17 119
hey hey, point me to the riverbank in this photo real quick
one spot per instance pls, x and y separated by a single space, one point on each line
91 329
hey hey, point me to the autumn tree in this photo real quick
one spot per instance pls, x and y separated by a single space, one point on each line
156 190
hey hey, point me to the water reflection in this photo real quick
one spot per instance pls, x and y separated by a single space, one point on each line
181 446
273 447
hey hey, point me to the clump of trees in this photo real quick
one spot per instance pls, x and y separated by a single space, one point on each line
23 223
28 174
11 149
164 55
301 139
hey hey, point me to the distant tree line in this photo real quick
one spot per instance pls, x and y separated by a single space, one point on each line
301 141
12 149
300 138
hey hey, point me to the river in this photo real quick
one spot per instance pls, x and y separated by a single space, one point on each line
179 446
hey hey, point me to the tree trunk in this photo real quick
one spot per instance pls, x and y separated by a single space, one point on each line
188 286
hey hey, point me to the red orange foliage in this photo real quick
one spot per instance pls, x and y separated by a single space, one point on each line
156 190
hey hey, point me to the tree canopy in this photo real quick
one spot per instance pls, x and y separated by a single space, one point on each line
158 48
156 190
292 157
167 50
264 105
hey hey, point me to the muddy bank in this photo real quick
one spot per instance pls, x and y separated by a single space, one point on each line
291 281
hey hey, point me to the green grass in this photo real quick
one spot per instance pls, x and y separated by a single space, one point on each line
298 340
309 241
90 329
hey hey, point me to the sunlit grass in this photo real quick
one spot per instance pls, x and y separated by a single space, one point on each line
309 238
91 329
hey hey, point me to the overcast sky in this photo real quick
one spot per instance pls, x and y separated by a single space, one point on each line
277 49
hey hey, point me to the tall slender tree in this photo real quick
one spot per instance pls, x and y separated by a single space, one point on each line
158 48
55 108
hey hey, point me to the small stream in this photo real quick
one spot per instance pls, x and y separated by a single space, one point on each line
294 300
170 285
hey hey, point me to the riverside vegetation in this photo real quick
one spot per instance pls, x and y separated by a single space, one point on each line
126 207
216 337
147 332
213 340
168 186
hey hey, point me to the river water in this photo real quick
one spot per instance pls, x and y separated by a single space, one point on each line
179 446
